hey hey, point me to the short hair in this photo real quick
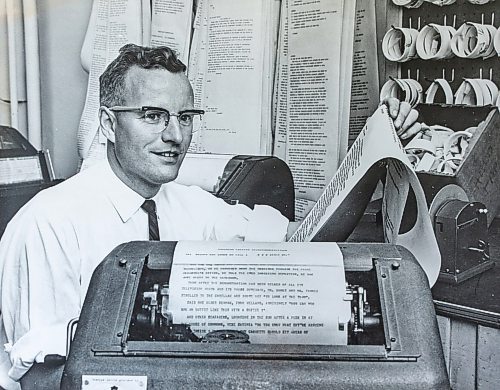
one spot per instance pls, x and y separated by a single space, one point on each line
112 80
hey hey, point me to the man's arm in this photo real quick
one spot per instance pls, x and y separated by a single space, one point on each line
40 287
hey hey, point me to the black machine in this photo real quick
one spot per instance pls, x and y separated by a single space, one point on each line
245 179
462 235
460 227
24 171
125 334
461 231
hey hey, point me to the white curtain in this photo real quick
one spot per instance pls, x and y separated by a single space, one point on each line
19 69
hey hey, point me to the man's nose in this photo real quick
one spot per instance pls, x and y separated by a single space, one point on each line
172 131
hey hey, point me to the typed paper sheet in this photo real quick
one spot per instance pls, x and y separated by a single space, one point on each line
275 293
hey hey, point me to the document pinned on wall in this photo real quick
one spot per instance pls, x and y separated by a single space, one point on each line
171 25
346 75
365 80
113 24
272 8
275 294
197 68
313 93
281 87
230 71
339 194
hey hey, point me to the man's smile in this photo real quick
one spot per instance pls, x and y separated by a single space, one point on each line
170 153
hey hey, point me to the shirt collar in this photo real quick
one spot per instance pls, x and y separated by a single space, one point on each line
124 199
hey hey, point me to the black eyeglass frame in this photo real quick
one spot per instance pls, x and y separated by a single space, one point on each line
150 108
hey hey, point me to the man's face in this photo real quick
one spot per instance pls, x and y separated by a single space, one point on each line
145 160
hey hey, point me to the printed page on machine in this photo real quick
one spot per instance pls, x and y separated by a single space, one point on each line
274 293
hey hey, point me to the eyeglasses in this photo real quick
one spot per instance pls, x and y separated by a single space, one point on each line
159 118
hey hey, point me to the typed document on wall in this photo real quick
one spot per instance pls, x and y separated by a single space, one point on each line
313 92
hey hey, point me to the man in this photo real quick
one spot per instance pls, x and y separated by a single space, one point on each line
52 246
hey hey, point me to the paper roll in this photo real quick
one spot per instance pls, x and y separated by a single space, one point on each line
445 194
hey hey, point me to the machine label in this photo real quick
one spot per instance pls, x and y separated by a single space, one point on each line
114 382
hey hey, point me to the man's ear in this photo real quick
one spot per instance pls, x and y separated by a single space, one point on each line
107 120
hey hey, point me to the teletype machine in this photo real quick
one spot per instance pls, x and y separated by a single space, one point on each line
162 315
171 315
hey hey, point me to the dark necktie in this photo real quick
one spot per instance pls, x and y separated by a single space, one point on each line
150 207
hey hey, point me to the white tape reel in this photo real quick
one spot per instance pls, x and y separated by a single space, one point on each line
408 3
445 194
496 42
418 3
434 42
439 84
477 92
411 89
473 40
399 44
479 2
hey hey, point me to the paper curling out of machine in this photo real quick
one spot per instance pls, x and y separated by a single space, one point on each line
384 332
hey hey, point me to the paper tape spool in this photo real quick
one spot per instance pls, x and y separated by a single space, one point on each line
441 2
445 194
434 42
408 3
470 93
472 40
492 91
490 52
399 44
412 90
435 86
496 42
479 2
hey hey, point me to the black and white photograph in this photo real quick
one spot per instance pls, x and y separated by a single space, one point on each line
249 194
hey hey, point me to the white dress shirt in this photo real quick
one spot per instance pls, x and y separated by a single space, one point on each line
53 244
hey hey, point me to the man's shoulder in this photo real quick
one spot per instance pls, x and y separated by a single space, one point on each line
73 192
82 182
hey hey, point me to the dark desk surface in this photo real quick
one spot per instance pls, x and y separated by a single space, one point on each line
476 299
